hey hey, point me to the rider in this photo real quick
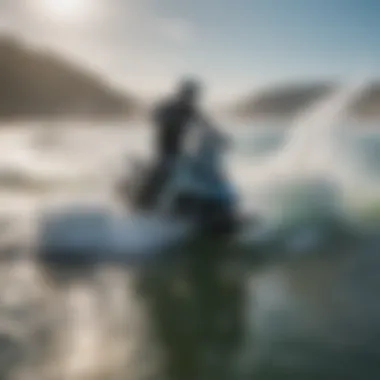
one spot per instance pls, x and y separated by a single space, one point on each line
173 119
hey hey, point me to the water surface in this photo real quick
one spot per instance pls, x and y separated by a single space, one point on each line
211 312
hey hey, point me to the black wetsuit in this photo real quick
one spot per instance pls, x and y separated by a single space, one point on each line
171 120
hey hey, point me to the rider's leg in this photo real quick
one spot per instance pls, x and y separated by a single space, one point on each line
155 182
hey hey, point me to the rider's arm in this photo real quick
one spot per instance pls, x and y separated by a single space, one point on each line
205 122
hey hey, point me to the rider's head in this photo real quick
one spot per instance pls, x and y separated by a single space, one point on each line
189 91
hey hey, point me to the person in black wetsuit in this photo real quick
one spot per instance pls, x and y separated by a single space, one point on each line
172 120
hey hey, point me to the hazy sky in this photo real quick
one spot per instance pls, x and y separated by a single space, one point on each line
234 45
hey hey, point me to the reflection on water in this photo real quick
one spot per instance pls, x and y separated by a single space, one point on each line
196 307
205 315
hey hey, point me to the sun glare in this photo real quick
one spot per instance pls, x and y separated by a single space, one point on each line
64 10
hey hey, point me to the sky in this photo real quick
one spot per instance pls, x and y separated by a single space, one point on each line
234 46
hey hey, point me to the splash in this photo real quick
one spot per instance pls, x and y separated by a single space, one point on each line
311 141
302 184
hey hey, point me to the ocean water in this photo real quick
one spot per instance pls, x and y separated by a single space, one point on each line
308 309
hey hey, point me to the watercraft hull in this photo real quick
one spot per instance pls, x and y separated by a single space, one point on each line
92 236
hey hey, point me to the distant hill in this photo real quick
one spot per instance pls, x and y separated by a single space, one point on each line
369 104
39 84
284 101
289 100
